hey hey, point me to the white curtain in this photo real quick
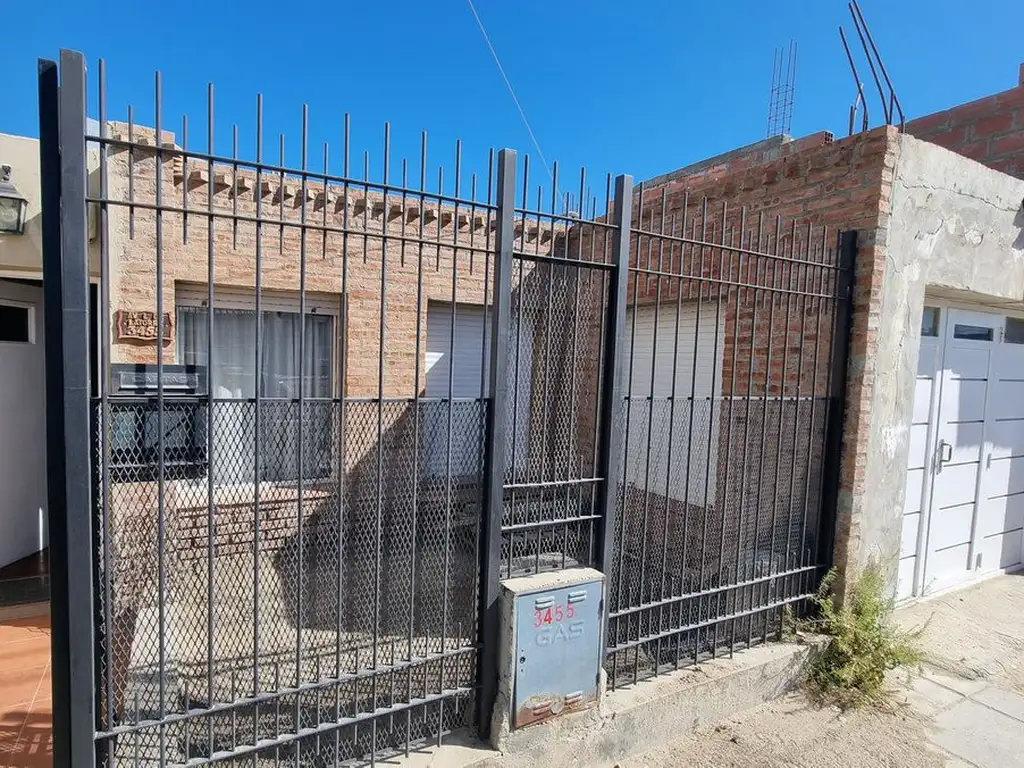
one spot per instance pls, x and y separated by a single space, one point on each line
233 379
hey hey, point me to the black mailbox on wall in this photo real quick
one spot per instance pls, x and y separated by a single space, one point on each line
135 422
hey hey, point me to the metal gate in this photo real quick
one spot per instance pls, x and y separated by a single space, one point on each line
313 419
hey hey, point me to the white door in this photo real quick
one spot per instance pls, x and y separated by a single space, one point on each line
22 422
674 382
960 457
919 458
1001 506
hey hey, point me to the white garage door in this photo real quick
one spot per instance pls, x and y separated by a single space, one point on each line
965 479
674 384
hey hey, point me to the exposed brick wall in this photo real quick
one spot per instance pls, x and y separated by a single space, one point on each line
841 185
989 130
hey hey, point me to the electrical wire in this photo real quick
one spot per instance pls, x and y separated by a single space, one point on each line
511 90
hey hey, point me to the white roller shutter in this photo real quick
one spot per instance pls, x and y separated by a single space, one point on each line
677 415
471 360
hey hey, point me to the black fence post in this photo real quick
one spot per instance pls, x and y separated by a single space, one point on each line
66 323
843 321
610 437
494 445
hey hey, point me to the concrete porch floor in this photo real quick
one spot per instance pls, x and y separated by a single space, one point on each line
25 709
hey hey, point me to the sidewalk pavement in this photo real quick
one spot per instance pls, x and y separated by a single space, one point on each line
964 708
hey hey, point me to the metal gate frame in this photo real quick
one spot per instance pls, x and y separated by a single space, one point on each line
73 493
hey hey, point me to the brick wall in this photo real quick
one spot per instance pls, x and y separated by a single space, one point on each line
989 130
840 185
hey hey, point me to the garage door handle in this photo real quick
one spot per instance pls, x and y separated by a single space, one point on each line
945 454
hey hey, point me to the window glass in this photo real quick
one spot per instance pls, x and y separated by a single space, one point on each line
14 323
233 380
1014 331
930 322
972 332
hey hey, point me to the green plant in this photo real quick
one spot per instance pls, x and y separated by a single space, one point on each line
864 643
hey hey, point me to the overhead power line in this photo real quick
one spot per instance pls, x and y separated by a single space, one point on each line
511 90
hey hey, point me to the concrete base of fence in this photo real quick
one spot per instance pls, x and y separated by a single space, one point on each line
633 720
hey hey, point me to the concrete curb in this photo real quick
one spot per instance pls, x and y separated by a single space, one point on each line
648 715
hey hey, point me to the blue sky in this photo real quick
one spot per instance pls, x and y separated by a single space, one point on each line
641 87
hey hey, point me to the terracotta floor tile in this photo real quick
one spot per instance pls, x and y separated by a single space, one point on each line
31 652
25 628
20 685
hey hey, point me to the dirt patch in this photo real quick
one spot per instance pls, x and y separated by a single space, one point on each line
795 732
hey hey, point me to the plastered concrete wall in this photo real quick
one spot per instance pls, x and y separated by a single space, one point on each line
955 225
23 253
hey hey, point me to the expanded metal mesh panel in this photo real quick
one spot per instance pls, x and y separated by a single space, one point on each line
726 407
555 347
328 603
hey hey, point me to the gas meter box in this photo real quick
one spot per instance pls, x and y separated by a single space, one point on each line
556 641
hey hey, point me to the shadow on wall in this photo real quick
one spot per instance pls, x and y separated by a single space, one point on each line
1019 223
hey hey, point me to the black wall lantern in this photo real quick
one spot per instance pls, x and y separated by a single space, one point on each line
12 204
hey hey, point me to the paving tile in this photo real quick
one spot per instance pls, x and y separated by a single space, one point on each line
1007 702
928 697
961 685
979 735
31 652
19 685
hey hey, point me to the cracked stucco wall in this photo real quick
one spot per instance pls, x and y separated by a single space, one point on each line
955 226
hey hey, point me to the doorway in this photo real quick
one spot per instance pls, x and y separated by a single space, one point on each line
964 507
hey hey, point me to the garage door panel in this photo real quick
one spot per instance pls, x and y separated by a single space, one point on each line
955 485
965 363
946 568
963 400
922 399
966 440
1010 361
905 578
1004 476
1007 438
1005 513
950 527
1002 550
913 493
917 456
908 539
1008 400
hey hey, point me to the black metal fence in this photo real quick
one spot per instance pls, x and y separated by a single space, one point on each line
736 328
326 415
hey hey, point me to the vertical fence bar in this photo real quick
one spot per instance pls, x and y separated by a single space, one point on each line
837 396
494 442
66 324
611 428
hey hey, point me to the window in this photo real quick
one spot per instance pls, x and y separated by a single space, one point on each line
1014 332
233 379
972 332
15 323
930 321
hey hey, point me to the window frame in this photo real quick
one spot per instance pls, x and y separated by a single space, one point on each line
189 294
30 309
